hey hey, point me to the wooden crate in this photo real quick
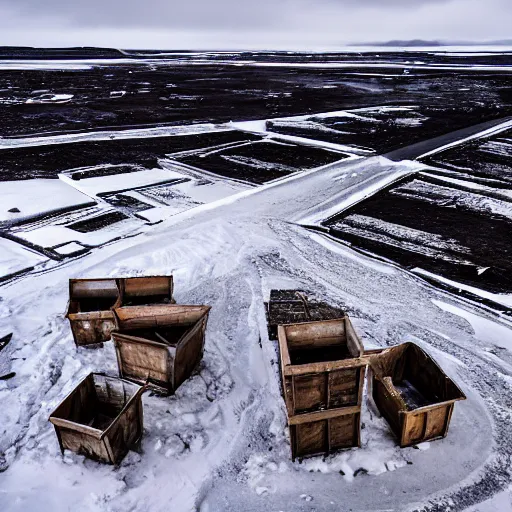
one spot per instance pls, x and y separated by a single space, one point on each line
101 418
294 306
160 345
324 432
139 291
413 393
321 365
90 309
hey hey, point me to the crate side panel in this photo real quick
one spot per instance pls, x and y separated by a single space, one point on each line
310 392
387 406
141 361
414 428
343 431
91 330
311 438
344 387
126 431
83 444
188 356
437 420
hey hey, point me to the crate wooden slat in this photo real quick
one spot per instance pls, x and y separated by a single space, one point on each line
413 393
161 344
101 418
90 309
324 432
321 365
146 290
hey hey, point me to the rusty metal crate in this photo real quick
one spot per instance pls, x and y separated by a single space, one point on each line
140 291
412 393
101 418
322 365
160 345
90 309
324 432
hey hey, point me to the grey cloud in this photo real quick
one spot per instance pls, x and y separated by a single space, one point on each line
132 23
222 14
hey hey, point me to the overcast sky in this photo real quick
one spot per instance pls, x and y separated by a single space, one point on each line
238 24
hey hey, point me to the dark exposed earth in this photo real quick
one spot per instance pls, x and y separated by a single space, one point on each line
265 154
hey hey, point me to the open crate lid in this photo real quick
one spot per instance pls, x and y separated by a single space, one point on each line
93 288
140 317
147 286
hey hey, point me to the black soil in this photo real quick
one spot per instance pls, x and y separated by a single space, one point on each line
488 237
99 222
260 162
48 161
213 90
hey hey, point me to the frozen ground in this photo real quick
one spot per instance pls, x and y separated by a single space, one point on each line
143 178
220 443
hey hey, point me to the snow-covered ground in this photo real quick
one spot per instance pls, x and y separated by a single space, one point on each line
37 197
221 442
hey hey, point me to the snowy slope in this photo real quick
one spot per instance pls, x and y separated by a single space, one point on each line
220 443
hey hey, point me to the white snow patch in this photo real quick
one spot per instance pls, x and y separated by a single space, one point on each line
485 329
15 258
500 298
125 181
37 197
51 98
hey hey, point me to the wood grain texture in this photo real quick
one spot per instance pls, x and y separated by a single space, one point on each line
146 290
101 418
324 432
147 349
321 384
413 393
90 309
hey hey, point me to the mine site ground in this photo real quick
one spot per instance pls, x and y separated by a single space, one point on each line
378 182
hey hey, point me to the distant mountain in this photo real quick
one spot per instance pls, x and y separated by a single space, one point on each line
401 43
411 43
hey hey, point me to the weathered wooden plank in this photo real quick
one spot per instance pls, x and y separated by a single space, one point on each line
323 415
96 408
146 290
413 393
4 340
325 367
354 344
324 432
333 379
176 347
71 425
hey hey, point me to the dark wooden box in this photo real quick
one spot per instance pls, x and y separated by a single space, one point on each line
101 418
139 291
324 432
160 345
90 309
321 365
294 306
413 393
